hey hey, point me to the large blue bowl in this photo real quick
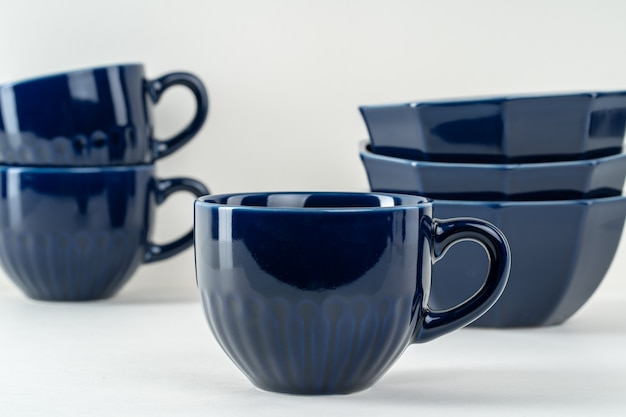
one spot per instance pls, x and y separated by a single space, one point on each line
560 253
532 128
592 178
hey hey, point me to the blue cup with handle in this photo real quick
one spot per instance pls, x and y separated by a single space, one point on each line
91 117
320 292
76 234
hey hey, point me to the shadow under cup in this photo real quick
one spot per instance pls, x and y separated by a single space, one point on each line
320 293
74 234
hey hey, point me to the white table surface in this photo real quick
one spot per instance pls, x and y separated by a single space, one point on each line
151 354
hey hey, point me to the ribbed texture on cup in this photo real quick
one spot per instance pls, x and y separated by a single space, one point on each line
70 266
307 347
117 146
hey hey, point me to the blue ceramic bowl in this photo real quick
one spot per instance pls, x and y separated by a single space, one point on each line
600 177
532 128
91 117
561 251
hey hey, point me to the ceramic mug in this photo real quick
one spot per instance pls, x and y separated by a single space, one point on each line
73 234
319 293
91 117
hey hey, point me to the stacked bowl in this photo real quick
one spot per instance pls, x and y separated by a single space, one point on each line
78 187
547 170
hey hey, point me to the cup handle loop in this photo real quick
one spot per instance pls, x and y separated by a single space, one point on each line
162 148
165 188
444 234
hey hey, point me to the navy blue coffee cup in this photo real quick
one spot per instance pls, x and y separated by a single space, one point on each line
320 293
75 234
91 117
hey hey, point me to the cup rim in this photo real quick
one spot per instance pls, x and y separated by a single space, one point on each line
61 169
387 201
58 74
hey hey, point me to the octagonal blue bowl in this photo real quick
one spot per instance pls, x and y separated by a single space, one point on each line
592 178
518 128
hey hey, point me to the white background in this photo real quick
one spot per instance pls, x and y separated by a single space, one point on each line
285 79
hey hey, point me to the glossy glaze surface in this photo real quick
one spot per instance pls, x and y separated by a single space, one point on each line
319 293
73 234
531 128
600 177
561 252
91 117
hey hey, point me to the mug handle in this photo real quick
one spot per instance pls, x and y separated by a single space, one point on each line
156 88
165 188
445 233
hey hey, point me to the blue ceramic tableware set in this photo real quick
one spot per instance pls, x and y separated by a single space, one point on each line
547 170
78 185
321 292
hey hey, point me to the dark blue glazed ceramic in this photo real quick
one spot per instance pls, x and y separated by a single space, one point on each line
74 234
532 128
600 177
319 293
561 251
91 117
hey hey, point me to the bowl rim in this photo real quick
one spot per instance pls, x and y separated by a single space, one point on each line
365 149
494 98
537 203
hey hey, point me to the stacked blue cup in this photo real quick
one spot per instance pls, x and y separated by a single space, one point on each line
78 185
547 170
